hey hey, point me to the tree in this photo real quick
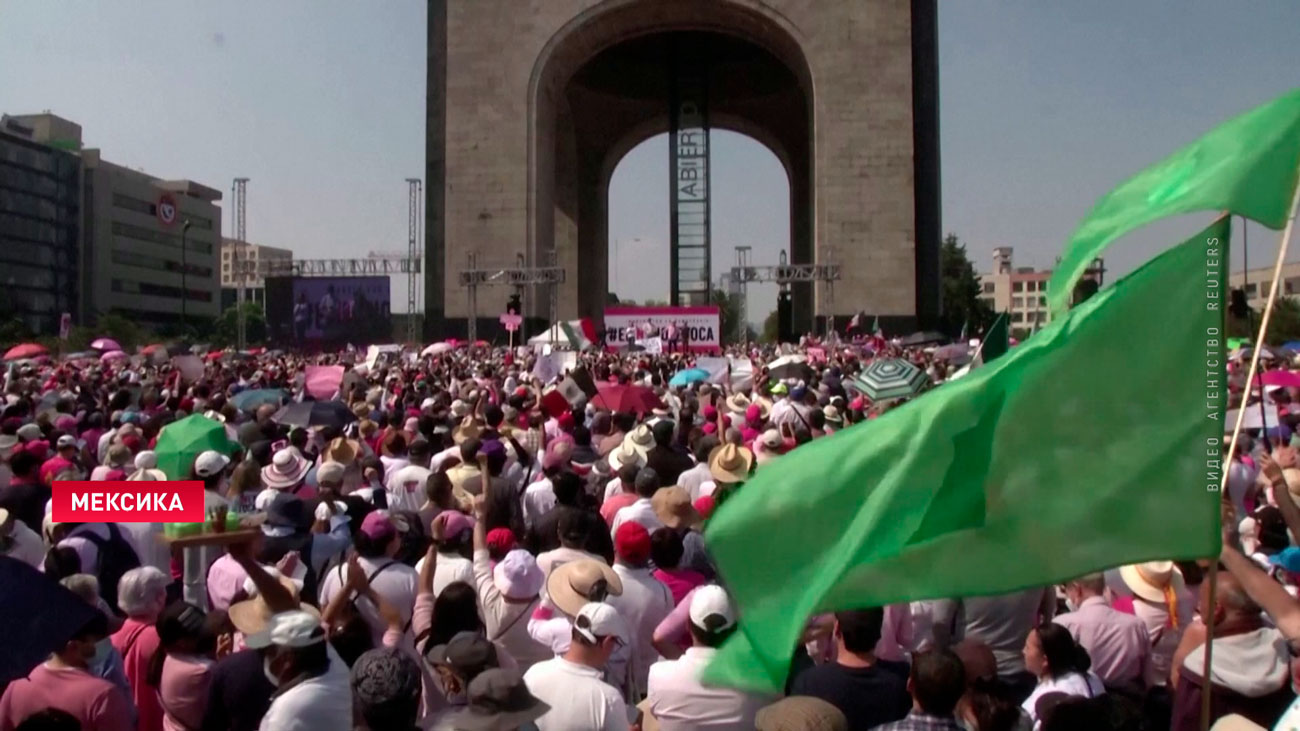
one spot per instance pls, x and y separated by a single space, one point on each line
611 298
227 325
123 329
1283 326
962 305
772 327
730 316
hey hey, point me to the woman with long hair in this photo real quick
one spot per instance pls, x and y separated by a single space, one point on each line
1060 664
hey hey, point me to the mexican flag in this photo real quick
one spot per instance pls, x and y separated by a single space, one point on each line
1065 456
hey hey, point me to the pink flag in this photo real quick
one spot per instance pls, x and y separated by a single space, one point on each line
323 381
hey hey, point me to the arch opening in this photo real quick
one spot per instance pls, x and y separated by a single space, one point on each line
603 86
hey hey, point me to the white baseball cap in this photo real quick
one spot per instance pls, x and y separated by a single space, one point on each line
711 609
67 440
288 629
597 620
210 463
427 403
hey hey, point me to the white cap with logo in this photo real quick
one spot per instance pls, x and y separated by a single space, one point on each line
711 609
288 629
210 463
597 620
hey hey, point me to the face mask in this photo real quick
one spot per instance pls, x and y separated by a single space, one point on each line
102 650
266 670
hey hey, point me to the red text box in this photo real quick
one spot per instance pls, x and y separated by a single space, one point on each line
122 501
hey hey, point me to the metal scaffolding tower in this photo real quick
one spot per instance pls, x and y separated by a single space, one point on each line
373 265
238 194
413 220
471 278
786 274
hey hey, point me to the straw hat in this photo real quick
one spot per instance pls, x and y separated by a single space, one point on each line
672 505
640 439
466 430
573 585
252 616
625 454
729 463
738 403
801 713
342 450
1236 722
1151 580
768 446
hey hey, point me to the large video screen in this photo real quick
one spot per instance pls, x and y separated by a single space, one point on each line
328 312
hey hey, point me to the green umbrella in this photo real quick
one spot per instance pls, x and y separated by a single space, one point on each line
182 441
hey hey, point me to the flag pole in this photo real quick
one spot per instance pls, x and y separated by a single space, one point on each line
1283 242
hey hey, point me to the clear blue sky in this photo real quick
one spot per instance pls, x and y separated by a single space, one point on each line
1044 106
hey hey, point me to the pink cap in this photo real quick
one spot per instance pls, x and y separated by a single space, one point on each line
710 413
457 523
378 527
753 414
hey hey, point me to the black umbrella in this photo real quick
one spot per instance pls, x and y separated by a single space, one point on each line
175 349
315 413
39 617
924 337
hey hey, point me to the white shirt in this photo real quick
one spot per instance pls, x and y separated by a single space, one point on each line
612 488
644 603
28 547
578 698
452 567
692 479
641 512
435 464
322 703
539 498
679 702
406 487
1086 686
393 464
396 584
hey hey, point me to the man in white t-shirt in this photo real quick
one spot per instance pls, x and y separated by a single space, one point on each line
571 684
316 693
674 694
645 600
454 545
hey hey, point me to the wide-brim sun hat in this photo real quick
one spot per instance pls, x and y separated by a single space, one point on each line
624 454
640 439
570 585
729 463
287 469
1152 579
252 616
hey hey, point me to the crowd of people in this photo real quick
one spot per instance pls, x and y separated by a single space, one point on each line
466 550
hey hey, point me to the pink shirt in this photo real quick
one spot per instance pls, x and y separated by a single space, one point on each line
137 642
680 582
95 702
184 691
1118 643
225 579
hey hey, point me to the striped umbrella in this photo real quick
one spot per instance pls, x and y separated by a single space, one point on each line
891 378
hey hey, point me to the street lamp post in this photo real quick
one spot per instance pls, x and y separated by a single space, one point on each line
185 229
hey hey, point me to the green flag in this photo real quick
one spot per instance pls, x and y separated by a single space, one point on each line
1247 166
1066 456
996 342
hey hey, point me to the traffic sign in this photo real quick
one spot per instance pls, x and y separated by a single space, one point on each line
166 209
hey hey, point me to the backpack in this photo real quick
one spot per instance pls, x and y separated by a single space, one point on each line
116 557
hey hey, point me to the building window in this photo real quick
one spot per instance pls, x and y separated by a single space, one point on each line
1042 301
128 203
1250 290
158 237
127 286
1017 286
144 261
1291 285
1017 302
988 288
199 222
1017 317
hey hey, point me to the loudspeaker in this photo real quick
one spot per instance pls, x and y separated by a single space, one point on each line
1237 304
785 318
1083 290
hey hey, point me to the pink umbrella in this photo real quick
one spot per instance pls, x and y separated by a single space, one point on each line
1286 379
323 381
105 345
26 350
113 355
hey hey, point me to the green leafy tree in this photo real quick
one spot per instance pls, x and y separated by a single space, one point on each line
123 329
771 327
226 329
961 291
1283 326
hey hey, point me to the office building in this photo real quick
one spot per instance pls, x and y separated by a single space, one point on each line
40 221
133 244
237 255
1256 283
1021 292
